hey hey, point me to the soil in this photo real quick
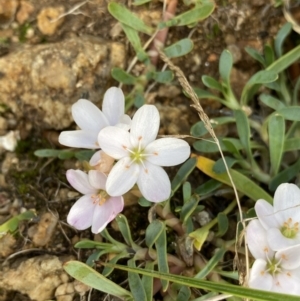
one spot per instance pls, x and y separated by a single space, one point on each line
38 84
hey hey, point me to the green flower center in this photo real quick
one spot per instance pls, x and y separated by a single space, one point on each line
273 266
290 228
137 156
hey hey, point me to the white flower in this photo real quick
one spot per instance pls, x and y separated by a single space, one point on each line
95 208
91 120
282 219
141 156
272 271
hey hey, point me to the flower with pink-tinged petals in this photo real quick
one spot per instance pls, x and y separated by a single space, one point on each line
282 220
141 156
91 120
272 271
95 208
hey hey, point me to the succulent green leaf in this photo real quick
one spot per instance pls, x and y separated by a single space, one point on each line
162 260
92 278
211 264
135 41
179 48
211 83
183 173
225 66
256 55
223 224
135 283
290 113
276 129
123 77
153 231
282 34
194 15
285 176
123 15
208 187
271 102
219 166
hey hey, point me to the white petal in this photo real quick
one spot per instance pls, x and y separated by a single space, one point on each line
259 277
81 139
290 257
277 241
257 241
145 125
113 105
124 122
265 213
287 202
105 213
114 141
81 213
168 151
97 179
122 177
154 183
80 181
88 116
285 283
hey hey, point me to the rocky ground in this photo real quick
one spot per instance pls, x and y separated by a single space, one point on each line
51 54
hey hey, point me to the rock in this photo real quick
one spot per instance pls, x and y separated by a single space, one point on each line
43 231
41 82
24 11
65 292
7 244
38 277
49 19
7 11
9 141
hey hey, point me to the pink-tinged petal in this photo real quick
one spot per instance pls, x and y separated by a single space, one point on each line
81 139
257 241
287 202
105 213
154 183
114 141
289 257
122 177
88 116
102 162
113 105
97 179
277 241
259 277
80 181
144 126
81 213
265 213
168 151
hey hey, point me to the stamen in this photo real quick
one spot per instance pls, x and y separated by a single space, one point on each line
140 143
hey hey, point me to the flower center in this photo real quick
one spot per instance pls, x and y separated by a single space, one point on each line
100 198
290 228
273 266
137 154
